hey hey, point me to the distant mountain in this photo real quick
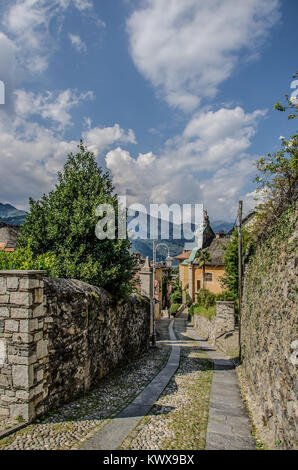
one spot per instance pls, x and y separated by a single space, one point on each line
221 226
10 215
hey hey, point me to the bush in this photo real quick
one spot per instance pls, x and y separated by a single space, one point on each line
226 296
23 258
176 296
174 308
206 298
205 312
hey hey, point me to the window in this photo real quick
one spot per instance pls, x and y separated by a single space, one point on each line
198 285
208 277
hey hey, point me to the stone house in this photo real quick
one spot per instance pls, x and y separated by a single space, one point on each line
8 236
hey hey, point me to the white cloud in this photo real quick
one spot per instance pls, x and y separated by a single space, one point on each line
99 138
33 26
77 42
207 163
53 106
187 48
252 199
31 155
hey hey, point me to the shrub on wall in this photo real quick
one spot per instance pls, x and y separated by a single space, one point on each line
174 308
23 259
206 298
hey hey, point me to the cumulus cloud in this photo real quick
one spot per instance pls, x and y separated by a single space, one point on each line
33 27
99 138
207 163
77 42
32 154
187 48
49 105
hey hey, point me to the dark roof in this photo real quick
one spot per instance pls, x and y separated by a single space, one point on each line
216 250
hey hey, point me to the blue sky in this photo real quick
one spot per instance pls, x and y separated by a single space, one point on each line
175 98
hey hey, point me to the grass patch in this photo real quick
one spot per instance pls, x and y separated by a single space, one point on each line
205 312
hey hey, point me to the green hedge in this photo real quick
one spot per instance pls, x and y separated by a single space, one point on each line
174 308
22 258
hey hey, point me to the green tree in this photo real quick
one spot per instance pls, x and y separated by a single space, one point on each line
63 223
204 257
230 279
277 179
291 104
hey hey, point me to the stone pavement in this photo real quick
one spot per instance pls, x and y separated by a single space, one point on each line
113 434
229 427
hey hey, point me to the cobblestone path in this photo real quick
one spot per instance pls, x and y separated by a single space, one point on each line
177 421
179 418
69 426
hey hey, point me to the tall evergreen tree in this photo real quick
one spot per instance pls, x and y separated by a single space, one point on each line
63 223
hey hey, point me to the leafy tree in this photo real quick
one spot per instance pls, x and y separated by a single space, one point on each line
277 180
230 279
176 295
203 256
63 223
291 104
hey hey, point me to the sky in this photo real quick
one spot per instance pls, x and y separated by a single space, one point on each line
175 98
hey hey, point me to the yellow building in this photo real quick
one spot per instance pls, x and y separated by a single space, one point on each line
191 273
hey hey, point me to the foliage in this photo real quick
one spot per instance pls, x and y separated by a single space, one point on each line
230 279
226 296
206 298
23 258
205 312
291 104
203 256
174 308
277 179
63 222
188 299
176 295
191 310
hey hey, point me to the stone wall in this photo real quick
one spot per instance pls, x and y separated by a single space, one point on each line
60 338
24 351
269 331
221 323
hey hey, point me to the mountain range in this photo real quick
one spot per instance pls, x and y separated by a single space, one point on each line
12 216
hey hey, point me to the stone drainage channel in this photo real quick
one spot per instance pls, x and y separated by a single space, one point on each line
229 427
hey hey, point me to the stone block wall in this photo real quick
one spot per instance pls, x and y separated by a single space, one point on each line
221 323
24 350
269 335
59 337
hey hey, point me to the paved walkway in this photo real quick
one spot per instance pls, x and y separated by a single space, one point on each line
229 427
113 434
